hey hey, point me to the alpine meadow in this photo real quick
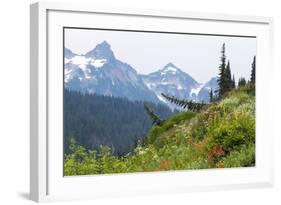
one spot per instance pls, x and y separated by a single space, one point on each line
144 102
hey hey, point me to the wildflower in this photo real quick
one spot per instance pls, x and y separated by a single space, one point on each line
217 151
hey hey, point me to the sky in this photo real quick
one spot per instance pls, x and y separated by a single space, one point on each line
197 55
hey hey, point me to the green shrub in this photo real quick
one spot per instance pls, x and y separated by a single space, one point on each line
199 129
80 161
232 131
249 88
156 131
230 103
246 108
199 163
244 157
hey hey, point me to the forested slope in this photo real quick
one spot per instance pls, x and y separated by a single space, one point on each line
118 123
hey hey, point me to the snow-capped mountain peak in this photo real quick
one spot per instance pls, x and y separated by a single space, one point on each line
98 71
169 69
101 51
170 80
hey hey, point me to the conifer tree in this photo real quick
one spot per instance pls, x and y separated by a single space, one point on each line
211 95
233 82
222 81
156 119
241 82
253 72
185 104
228 77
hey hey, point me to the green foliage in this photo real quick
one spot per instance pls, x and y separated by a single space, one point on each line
222 78
230 104
156 119
235 124
253 71
199 129
249 88
229 83
222 135
211 95
232 131
233 82
226 81
241 82
223 74
80 161
185 104
157 131
244 157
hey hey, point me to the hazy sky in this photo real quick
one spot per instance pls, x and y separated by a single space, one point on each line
198 55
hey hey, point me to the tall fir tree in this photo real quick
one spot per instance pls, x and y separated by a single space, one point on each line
253 72
233 82
211 95
241 82
222 82
228 77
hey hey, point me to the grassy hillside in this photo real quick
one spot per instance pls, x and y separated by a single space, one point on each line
220 135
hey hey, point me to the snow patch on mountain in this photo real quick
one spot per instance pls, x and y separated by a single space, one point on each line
98 63
169 69
83 61
98 71
195 91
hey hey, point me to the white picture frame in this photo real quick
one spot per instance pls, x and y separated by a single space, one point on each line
47 182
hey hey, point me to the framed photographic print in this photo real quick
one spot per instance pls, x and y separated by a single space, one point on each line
127 102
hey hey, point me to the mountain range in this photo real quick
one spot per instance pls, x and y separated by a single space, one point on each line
98 71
